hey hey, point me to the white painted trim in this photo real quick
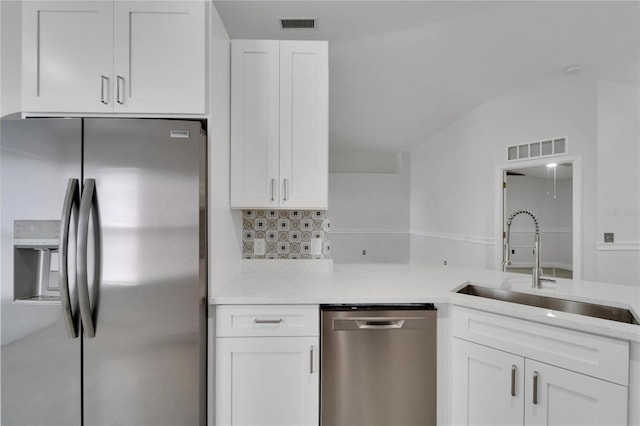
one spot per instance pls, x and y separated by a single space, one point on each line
456 237
544 265
542 230
371 231
576 161
621 246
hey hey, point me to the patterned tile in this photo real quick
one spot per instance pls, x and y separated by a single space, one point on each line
288 233
271 236
248 235
260 224
284 224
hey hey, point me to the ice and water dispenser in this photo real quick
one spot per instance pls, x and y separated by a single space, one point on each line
35 258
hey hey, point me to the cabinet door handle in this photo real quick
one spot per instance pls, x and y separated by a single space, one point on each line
119 97
273 189
513 380
535 388
286 192
265 321
311 360
104 98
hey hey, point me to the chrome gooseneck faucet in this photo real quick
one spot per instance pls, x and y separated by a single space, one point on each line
537 270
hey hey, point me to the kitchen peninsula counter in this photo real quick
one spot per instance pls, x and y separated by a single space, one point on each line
401 283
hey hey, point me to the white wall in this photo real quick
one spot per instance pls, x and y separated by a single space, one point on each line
10 64
225 225
10 56
369 207
452 181
554 216
453 173
619 182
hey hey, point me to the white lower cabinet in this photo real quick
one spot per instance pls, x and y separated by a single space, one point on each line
505 386
487 386
563 397
267 379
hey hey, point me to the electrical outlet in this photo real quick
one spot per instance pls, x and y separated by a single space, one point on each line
608 237
316 246
259 247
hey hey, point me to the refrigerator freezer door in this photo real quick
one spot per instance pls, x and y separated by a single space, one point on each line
40 362
143 365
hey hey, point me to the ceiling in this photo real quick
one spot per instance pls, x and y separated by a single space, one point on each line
564 171
401 71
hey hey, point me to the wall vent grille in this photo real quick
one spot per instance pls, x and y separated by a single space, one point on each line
298 23
538 149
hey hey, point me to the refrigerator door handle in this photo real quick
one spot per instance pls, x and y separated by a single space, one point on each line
71 200
88 202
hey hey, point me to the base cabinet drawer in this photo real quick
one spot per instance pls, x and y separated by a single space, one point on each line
267 320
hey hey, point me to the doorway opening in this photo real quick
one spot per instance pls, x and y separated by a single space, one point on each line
549 191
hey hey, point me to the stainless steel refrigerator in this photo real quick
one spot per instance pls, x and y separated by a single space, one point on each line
103 272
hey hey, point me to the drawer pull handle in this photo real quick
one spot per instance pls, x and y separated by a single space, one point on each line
513 380
273 191
119 92
535 388
311 360
104 81
286 190
269 321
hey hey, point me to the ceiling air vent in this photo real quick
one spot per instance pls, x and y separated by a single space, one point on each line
298 23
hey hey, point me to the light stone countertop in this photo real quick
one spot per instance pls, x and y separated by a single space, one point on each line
396 283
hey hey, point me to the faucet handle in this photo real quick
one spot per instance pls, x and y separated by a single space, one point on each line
549 280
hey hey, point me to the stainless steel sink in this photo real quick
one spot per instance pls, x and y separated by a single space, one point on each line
582 308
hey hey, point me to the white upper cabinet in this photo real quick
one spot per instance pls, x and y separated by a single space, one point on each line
255 133
159 57
67 56
304 124
124 57
279 124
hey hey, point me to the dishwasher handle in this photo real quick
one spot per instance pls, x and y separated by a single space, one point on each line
379 323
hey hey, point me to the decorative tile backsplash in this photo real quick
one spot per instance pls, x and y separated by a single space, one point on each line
287 234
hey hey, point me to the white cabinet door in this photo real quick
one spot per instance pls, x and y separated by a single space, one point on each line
564 398
279 124
304 124
487 386
159 54
67 56
254 123
267 381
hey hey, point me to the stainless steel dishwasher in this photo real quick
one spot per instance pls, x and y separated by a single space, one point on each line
378 365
